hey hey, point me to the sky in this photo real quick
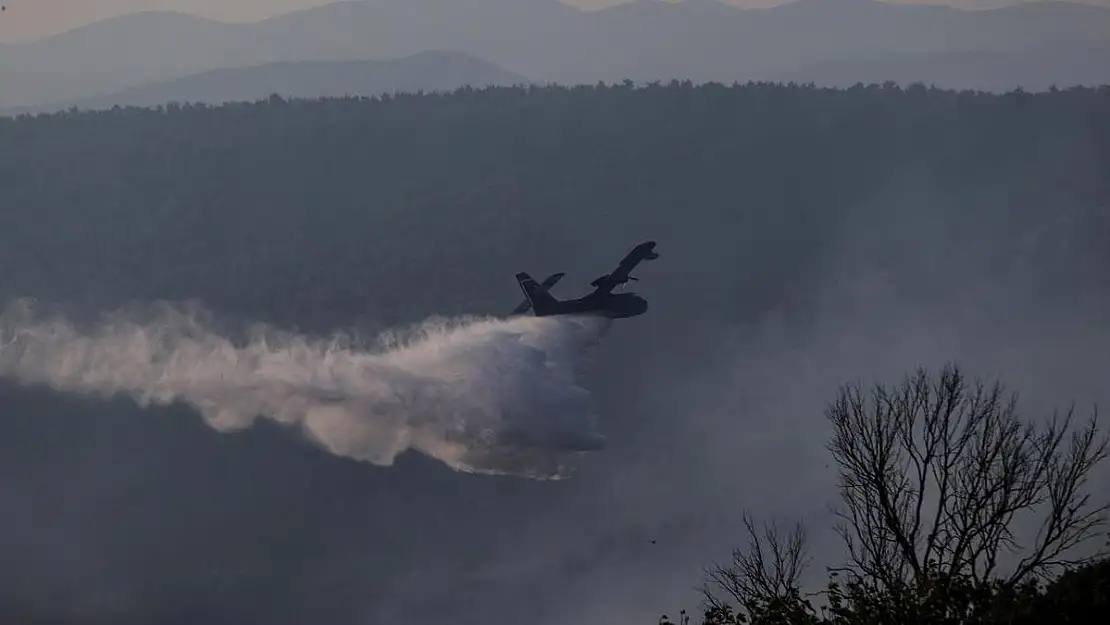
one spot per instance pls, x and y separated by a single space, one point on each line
31 19
26 20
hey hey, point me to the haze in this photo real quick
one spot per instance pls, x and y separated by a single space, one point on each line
360 48
254 360
32 19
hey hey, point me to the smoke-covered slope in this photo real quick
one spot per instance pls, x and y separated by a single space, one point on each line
807 237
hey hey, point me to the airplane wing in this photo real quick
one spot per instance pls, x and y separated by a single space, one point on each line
547 283
643 251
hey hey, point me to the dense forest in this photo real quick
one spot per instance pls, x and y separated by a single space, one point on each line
429 189
808 236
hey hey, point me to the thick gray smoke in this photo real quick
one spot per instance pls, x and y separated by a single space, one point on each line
481 395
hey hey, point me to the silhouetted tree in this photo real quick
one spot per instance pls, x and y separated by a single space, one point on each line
1081 595
762 579
934 474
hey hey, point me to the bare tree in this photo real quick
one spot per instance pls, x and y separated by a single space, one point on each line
764 577
935 472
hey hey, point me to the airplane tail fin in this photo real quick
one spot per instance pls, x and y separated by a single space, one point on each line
545 285
542 302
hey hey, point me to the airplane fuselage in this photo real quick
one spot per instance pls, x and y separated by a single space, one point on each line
612 306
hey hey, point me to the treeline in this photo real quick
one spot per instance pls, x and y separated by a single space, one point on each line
954 509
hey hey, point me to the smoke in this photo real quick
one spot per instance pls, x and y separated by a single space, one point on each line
482 395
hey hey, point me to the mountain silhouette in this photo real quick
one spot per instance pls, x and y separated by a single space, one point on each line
546 40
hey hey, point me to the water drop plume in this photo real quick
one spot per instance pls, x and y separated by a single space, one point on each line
483 395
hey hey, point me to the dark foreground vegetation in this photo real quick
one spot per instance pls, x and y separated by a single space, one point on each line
832 212
954 509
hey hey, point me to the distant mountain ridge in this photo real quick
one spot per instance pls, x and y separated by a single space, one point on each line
544 40
426 71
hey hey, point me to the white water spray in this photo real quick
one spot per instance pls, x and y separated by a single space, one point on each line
481 395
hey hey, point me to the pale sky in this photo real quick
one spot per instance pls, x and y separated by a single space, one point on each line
26 20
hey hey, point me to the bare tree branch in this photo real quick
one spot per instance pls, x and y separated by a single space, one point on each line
767 572
936 473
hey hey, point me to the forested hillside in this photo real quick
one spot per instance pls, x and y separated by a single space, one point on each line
806 235
445 196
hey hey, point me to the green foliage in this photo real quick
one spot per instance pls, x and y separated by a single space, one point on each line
936 597
1081 595
1077 596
